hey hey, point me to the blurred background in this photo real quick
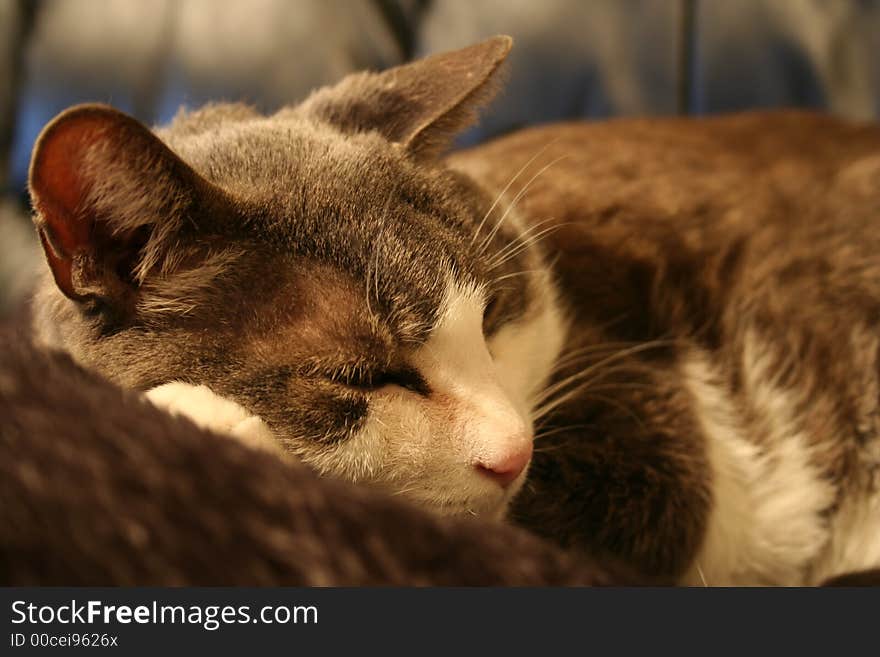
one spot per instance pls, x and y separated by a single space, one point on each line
572 58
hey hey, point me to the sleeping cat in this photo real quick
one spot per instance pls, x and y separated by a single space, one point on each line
654 340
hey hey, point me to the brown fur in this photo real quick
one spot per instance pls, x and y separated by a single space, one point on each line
697 231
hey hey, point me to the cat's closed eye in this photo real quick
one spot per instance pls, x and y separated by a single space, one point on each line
371 380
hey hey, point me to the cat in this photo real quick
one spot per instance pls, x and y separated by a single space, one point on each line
101 488
648 340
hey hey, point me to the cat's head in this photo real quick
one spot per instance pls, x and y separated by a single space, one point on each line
319 266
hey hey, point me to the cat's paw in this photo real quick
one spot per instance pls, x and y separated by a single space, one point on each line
210 411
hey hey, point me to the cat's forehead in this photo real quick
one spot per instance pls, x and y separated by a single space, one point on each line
319 316
306 183
317 311
344 217
257 156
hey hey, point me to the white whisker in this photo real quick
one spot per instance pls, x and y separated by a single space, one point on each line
517 273
522 247
519 239
602 363
552 432
702 577
507 187
488 240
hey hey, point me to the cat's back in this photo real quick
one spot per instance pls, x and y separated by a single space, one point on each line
731 202
750 240
758 139
669 169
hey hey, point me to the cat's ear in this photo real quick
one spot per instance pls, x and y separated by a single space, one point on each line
421 105
109 197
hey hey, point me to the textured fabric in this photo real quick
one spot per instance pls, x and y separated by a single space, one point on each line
621 57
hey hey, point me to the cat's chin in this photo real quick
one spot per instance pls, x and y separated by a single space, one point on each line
492 508
494 513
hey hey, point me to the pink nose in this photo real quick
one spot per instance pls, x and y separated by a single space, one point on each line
505 469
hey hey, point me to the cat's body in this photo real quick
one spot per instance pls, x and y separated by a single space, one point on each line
693 338
745 248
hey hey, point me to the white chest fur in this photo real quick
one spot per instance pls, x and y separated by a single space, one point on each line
766 526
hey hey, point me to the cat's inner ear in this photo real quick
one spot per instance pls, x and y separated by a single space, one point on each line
421 105
108 197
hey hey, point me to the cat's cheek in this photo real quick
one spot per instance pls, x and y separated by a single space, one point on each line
418 449
525 351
